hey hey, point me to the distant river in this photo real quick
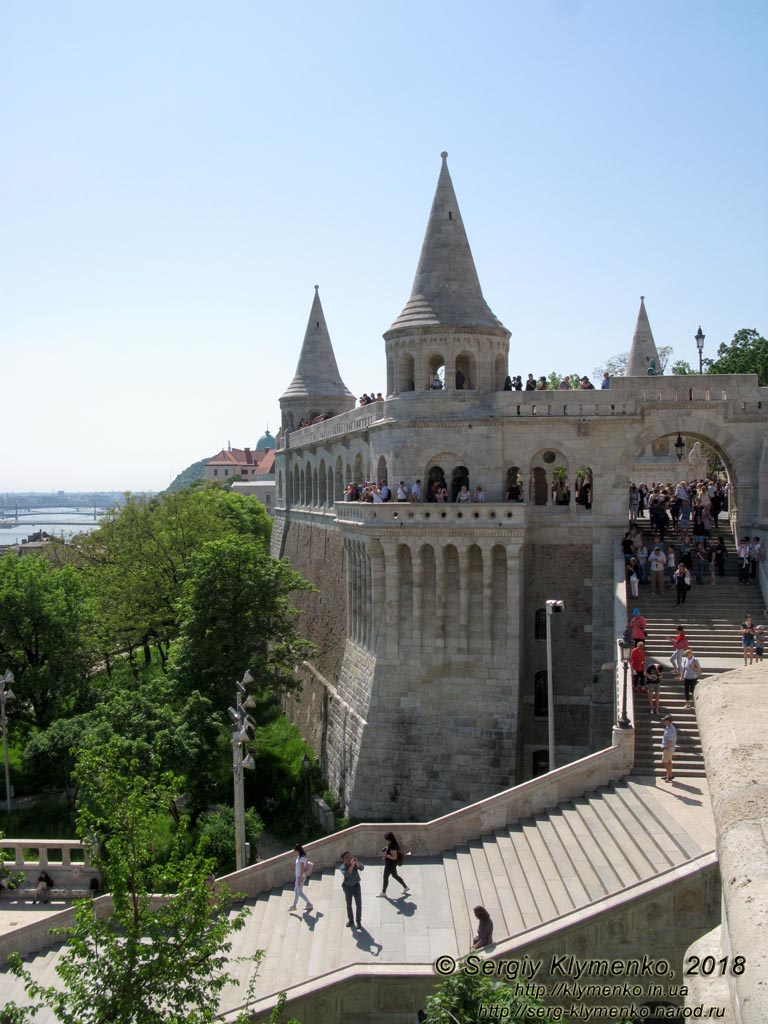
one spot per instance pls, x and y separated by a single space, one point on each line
58 522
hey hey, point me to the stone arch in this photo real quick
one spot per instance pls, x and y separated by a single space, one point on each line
406 372
435 370
313 497
391 386
280 485
381 470
550 470
459 479
357 474
466 371
735 453
303 490
435 475
338 483
514 488
322 489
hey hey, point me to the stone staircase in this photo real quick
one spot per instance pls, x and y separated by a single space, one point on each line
526 874
711 617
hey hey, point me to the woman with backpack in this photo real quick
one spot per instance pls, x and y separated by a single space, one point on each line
302 870
393 858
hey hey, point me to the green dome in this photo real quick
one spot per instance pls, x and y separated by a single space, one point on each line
265 442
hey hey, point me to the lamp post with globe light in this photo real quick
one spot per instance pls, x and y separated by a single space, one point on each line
243 732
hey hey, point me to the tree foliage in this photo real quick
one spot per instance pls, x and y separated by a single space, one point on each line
236 614
140 558
616 366
747 353
145 960
46 637
466 997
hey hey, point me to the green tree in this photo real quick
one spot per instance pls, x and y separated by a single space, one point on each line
140 558
747 353
466 998
236 614
617 365
46 637
681 368
216 832
146 961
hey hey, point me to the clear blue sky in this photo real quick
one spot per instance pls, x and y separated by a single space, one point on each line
177 176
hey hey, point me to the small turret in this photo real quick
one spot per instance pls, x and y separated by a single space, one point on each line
643 358
317 388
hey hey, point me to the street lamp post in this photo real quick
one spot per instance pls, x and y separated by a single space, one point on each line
243 732
625 652
700 336
553 607
6 693
305 767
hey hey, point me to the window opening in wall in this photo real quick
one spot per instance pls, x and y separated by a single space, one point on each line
540 624
437 489
540 702
513 488
436 380
450 215
548 457
459 479
539 763
540 489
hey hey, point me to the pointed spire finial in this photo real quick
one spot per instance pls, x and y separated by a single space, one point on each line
317 373
446 289
643 351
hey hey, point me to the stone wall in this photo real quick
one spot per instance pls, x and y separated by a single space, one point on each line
314 550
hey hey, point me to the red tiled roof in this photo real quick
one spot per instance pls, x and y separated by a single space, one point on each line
239 458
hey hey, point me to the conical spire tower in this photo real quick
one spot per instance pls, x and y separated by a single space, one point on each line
317 388
446 289
446 303
643 355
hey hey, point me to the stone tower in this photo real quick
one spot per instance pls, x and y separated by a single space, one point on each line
446 333
429 686
317 388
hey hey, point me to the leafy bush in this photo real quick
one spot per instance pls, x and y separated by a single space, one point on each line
216 835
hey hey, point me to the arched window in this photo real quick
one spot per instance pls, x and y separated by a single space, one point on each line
540 624
322 496
381 471
466 372
436 378
405 372
540 698
435 479
499 372
513 486
459 479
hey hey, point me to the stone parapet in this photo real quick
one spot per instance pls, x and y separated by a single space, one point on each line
733 722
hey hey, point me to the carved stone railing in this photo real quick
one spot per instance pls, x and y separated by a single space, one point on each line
431 514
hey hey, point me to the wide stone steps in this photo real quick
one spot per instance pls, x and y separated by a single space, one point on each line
529 873
712 618
525 874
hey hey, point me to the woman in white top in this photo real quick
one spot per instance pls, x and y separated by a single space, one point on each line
298 888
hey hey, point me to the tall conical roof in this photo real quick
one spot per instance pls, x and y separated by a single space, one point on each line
643 350
317 373
446 289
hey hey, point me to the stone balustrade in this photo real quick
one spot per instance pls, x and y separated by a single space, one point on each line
66 860
429 515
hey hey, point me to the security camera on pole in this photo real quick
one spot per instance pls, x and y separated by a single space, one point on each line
553 607
243 732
